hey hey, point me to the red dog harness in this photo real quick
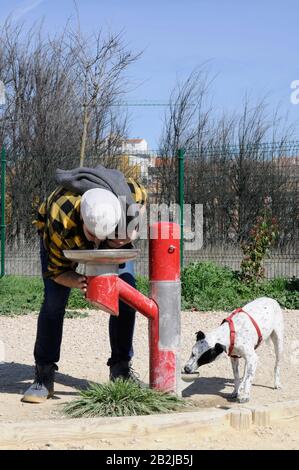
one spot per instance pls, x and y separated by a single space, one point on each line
233 331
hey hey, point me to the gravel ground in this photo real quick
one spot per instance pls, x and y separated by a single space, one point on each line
86 348
85 351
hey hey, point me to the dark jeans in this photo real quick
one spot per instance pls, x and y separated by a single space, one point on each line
50 322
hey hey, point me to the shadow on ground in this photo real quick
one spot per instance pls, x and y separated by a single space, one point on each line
208 386
209 391
15 378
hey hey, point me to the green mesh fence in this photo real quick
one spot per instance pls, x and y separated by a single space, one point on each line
230 182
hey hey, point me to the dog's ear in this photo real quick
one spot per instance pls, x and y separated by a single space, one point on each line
200 335
219 348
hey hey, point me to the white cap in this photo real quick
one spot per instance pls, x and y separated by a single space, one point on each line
101 211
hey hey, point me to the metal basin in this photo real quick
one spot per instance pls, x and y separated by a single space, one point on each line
118 256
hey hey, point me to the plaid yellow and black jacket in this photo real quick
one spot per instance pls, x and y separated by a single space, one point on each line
60 225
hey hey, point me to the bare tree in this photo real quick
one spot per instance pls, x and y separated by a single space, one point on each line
187 117
231 162
250 173
186 126
99 80
236 171
60 97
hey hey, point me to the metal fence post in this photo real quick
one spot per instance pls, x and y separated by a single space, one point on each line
3 190
181 159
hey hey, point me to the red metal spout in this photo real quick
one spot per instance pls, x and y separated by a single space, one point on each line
106 291
138 301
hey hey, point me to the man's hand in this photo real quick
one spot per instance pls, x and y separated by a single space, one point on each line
73 280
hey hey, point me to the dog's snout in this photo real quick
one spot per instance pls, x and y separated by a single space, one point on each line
187 369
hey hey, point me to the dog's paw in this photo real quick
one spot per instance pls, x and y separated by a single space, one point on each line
241 399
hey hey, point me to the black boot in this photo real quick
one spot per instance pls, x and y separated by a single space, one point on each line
122 370
43 385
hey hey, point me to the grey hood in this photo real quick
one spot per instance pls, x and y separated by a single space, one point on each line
80 180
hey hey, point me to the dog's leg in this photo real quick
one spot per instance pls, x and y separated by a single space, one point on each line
242 382
235 367
251 365
278 346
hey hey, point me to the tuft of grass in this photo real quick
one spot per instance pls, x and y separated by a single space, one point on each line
121 398
73 314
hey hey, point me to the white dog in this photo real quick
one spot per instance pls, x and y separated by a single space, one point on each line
238 336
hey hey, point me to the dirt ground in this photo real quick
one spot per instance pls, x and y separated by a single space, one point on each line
84 354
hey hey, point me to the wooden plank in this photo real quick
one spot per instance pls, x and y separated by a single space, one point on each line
41 432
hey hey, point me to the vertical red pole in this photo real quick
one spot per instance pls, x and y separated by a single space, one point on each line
164 329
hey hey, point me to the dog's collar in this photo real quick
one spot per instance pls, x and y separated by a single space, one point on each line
232 330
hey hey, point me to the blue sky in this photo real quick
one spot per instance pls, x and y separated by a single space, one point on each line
251 47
